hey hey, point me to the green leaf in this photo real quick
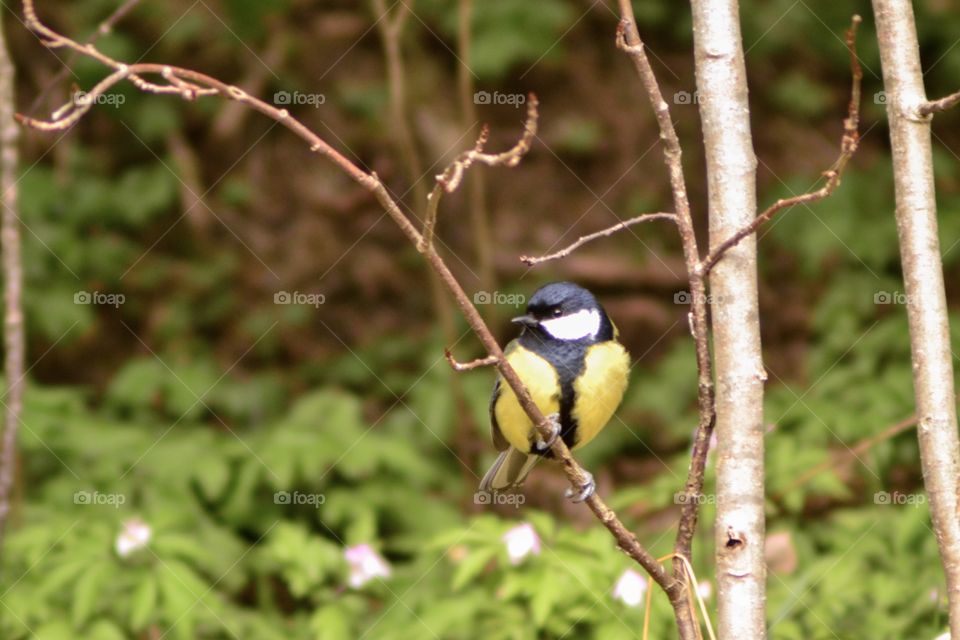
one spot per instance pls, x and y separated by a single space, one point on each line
104 630
213 476
143 602
545 597
331 623
472 565
88 590
178 600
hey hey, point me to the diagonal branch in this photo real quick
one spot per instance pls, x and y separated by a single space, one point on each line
189 84
848 146
531 261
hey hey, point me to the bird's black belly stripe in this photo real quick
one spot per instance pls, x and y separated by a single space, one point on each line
568 359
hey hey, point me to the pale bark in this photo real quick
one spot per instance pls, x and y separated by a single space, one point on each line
916 212
13 339
731 177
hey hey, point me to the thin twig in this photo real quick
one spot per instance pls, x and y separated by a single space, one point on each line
628 40
609 231
936 106
102 29
469 366
196 84
847 454
391 24
848 146
442 180
452 176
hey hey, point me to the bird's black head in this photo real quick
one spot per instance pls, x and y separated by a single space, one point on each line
565 311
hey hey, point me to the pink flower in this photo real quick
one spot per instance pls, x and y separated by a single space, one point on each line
365 565
521 541
134 535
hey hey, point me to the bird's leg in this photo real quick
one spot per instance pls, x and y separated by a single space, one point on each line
554 419
586 489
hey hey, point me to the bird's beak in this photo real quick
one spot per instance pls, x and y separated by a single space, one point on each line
527 320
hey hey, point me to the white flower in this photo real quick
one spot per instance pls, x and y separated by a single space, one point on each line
365 565
134 535
630 588
705 589
943 636
521 541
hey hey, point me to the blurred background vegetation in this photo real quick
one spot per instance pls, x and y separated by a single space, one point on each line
173 394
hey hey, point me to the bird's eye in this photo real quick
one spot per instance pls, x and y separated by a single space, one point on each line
557 312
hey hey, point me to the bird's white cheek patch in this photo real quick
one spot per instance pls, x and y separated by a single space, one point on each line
575 326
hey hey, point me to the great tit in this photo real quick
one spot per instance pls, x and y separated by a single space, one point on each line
569 358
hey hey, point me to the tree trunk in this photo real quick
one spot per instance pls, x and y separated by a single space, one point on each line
731 176
13 339
916 212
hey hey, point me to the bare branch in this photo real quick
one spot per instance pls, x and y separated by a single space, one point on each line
443 180
927 312
848 455
452 176
196 83
103 29
848 146
628 40
469 366
605 233
936 106
739 526
13 329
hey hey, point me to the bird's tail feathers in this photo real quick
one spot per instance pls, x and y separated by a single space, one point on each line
508 471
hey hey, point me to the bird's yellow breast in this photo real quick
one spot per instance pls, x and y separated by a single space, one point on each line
599 388
541 380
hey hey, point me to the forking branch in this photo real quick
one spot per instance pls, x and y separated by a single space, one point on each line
629 41
450 179
849 144
190 85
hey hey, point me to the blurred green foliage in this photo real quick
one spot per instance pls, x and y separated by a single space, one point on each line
200 409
